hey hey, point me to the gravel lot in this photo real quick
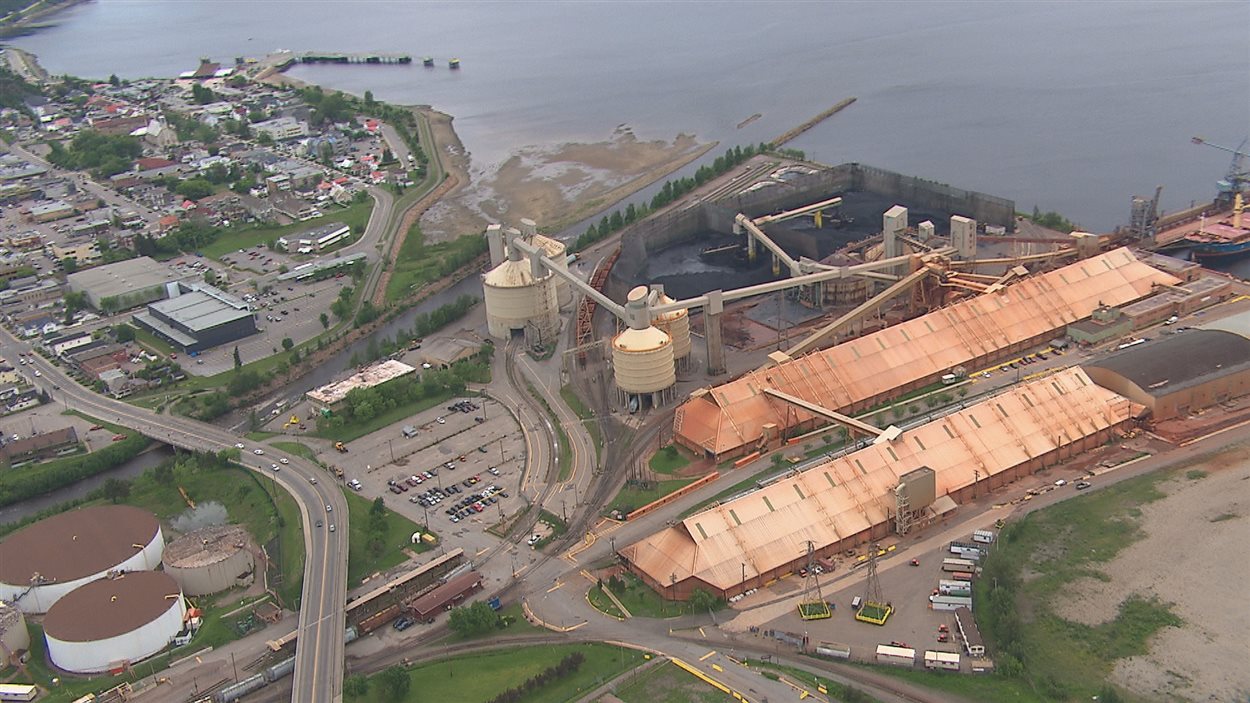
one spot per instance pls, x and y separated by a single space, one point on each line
1184 559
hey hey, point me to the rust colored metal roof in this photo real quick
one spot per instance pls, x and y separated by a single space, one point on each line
110 607
843 497
75 544
733 415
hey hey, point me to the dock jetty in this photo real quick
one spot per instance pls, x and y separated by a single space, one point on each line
812 122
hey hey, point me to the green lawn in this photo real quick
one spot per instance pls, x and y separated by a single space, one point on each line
666 683
602 603
982 687
579 408
397 537
669 459
347 433
518 626
631 498
419 264
297 449
481 677
840 691
355 216
1056 546
642 602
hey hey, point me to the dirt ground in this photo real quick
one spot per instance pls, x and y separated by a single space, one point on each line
553 185
1204 660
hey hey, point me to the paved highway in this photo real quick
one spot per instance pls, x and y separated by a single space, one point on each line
319 652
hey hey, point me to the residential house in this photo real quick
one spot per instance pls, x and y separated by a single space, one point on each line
61 344
40 446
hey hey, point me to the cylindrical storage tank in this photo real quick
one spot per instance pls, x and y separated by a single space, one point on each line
13 634
558 253
676 324
643 361
114 622
211 559
42 562
514 299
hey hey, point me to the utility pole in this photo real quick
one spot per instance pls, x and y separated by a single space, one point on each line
392 448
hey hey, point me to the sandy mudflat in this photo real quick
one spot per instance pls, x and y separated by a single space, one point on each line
556 185
1195 555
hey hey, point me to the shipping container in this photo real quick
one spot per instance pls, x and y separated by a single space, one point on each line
834 650
945 661
961 576
17 692
940 602
953 565
983 536
900 656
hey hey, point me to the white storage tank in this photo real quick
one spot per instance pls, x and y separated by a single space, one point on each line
556 251
676 324
211 559
515 300
114 622
13 634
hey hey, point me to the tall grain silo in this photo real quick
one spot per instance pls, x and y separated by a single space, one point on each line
518 302
642 359
557 252
676 324
14 637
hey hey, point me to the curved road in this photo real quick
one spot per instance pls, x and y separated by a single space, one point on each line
319 653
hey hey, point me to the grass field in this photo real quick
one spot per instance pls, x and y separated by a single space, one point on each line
419 264
519 626
631 498
837 691
481 677
355 216
297 449
988 687
665 683
668 460
579 408
642 602
347 433
1059 658
396 538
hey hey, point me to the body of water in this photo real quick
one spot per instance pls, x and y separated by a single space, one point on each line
1070 106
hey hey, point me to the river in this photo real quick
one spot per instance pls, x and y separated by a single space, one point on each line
127 471
1069 106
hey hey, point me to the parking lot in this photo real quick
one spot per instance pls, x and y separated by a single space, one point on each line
471 464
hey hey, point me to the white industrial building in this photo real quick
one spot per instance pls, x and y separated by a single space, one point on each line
43 562
112 623
521 295
211 559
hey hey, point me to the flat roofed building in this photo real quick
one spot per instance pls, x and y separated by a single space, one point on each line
125 284
200 317
1178 374
856 375
331 394
848 501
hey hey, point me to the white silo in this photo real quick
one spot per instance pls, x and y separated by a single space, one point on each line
14 637
517 301
556 251
676 324
642 358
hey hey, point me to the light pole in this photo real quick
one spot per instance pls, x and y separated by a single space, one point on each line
390 446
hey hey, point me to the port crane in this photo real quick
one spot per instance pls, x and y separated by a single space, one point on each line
1237 179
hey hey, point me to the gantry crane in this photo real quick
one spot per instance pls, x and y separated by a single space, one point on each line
1237 180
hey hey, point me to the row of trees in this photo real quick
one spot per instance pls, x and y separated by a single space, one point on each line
567 666
670 191
472 620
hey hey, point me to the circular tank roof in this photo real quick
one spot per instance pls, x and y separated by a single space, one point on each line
636 293
76 544
110 607
643 340
671 314
205 546
551 247
510 274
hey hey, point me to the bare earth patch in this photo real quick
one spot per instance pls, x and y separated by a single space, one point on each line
1193 556
557 185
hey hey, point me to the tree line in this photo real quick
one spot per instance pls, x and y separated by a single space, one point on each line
567 666
669 192
19 484
103 154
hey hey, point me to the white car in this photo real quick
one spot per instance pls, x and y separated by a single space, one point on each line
284 460
329 508
275 467
1061 482
312 479
238 445
258 452
37 374
441 421
534 539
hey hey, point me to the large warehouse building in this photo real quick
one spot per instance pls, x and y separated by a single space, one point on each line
126 284
329 396
115 622
211 559
1180 373
732 419
41 563
851 500
198 317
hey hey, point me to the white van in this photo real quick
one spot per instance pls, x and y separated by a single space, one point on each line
856 602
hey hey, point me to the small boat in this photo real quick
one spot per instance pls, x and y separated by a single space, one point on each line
453 64
428 62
